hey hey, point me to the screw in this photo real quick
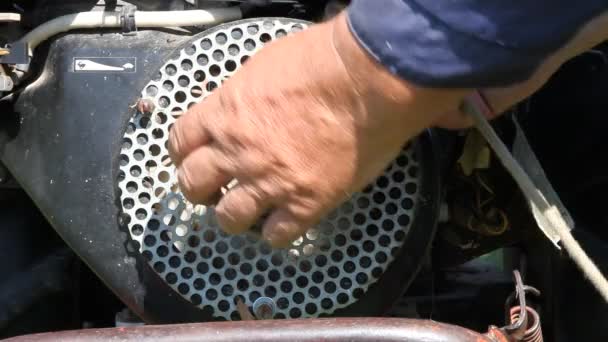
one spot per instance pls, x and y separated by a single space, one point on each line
264 308
145 106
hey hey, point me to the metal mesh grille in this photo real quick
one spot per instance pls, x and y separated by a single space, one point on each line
330 267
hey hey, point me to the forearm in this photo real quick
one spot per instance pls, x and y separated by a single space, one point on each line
469 43
590 35
421 106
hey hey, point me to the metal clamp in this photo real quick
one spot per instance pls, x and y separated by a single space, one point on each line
127 20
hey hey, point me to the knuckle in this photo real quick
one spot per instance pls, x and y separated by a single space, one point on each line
199 122
228 99
225 215
284 232
281 230
238 210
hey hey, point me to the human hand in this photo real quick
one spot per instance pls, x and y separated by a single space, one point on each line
306 122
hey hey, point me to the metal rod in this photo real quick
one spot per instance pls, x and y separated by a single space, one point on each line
475 106
300 330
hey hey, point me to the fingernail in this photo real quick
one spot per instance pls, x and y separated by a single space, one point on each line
268 237
275 240
225 227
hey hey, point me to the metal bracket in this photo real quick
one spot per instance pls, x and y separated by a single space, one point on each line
17 54
523 153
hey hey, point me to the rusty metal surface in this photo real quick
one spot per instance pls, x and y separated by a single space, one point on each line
303 330
497 334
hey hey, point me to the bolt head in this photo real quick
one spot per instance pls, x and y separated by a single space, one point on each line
145 106
264 308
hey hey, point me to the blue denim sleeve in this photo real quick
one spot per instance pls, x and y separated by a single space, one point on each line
467 43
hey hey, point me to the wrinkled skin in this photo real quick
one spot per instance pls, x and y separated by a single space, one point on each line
306 122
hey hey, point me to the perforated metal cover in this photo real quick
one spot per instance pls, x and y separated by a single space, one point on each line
327 269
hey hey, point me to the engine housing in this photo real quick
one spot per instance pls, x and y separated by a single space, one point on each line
67 145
